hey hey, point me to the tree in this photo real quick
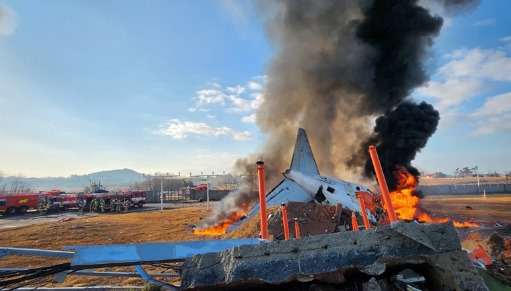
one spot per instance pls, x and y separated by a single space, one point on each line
2 186
440 175
18 186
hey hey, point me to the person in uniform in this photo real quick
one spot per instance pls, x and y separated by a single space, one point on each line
40 207
118 205
80 206
48 207
96 204
126 205
102 204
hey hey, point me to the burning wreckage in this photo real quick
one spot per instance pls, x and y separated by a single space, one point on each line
387 255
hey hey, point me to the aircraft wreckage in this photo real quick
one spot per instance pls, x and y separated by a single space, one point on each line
395 256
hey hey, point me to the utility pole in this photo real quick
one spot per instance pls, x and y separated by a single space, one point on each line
477 174
207 184
161 176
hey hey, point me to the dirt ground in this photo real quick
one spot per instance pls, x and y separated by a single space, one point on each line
175 225
494 208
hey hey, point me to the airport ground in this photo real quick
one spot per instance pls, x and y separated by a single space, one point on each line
150 224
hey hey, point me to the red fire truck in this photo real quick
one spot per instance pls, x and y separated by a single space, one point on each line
21 202
136 198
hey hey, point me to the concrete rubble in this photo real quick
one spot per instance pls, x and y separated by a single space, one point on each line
378 259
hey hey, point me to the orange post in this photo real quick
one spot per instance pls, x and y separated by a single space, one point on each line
285 222
297 228
354 222
363 210
383 184
262 200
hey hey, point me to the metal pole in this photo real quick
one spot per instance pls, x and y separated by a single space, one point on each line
363 210
354 223
262 200
297 228
161 193
383 184
207 192
285 222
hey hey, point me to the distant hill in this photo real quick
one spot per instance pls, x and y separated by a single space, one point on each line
109 179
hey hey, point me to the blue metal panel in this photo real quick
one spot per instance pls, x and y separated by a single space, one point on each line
131 254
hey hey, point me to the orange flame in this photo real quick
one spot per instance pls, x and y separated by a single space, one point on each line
221 227
407 206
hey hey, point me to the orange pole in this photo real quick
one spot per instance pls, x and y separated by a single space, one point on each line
383 184
297 228
363 210
354 223
262 200
285 222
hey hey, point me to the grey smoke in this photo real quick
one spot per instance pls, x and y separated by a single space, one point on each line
338 65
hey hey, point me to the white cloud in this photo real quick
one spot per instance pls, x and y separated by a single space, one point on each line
452 92
494 116
470 74
497 105
491 64
177 129
485 22
8 21
255 85
235 99
210 96
238 90
493 125
507 41
249 119
506 38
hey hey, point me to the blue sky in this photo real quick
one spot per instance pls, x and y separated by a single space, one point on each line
172 86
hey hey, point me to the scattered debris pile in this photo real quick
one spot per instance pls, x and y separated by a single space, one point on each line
313 219
404 254
497 248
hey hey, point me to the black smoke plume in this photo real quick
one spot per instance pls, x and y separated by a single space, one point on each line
338 65
399 136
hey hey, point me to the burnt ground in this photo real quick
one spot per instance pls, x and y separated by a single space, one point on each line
175 224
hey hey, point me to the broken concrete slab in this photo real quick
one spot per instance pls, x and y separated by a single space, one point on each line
338 259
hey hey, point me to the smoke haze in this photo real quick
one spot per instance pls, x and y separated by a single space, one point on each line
338 66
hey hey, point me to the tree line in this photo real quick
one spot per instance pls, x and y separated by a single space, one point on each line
16 185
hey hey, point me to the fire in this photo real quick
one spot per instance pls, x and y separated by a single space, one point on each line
221 227
407 205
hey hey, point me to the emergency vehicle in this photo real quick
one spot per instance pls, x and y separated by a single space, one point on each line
21 202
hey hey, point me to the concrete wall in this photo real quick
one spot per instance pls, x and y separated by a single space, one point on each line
465 189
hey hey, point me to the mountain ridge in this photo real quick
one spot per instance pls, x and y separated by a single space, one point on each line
119 178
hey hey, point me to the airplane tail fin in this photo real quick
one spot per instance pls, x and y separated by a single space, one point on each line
303 159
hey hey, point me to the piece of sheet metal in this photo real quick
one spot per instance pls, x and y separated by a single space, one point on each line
135 254
4 251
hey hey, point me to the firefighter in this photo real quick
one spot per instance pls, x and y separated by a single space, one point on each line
80 207
102 204
126 205
96 204
118 205
61 205
48 207
40 207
